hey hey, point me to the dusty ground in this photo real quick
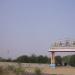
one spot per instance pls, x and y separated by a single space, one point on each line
60 70
57 70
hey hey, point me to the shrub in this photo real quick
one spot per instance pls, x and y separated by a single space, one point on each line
10 68
1 70
19 71
37 71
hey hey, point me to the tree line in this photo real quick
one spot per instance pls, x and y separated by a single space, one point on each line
33 59
66 60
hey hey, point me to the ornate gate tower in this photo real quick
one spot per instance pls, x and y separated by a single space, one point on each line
61 46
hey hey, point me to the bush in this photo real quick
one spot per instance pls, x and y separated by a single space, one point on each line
19 71
37 71
10 68
1 70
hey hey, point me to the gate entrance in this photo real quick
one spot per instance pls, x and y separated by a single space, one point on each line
61 46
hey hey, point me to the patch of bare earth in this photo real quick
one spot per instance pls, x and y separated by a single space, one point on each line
60 70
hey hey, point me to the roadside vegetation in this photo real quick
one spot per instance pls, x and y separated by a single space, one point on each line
66 60
38 71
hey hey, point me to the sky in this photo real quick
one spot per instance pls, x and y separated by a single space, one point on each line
30 26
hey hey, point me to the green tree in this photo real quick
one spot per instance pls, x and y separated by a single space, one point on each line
40 59
66 59
33 59
23 58
58 60
72 60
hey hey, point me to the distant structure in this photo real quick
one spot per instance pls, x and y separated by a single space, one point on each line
61 46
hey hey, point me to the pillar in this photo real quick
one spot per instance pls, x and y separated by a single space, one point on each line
52 60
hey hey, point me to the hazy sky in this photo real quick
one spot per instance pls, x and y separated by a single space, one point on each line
29 26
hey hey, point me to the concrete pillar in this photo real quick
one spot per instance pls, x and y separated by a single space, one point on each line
52 60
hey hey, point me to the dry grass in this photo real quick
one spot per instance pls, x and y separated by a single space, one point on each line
44 69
